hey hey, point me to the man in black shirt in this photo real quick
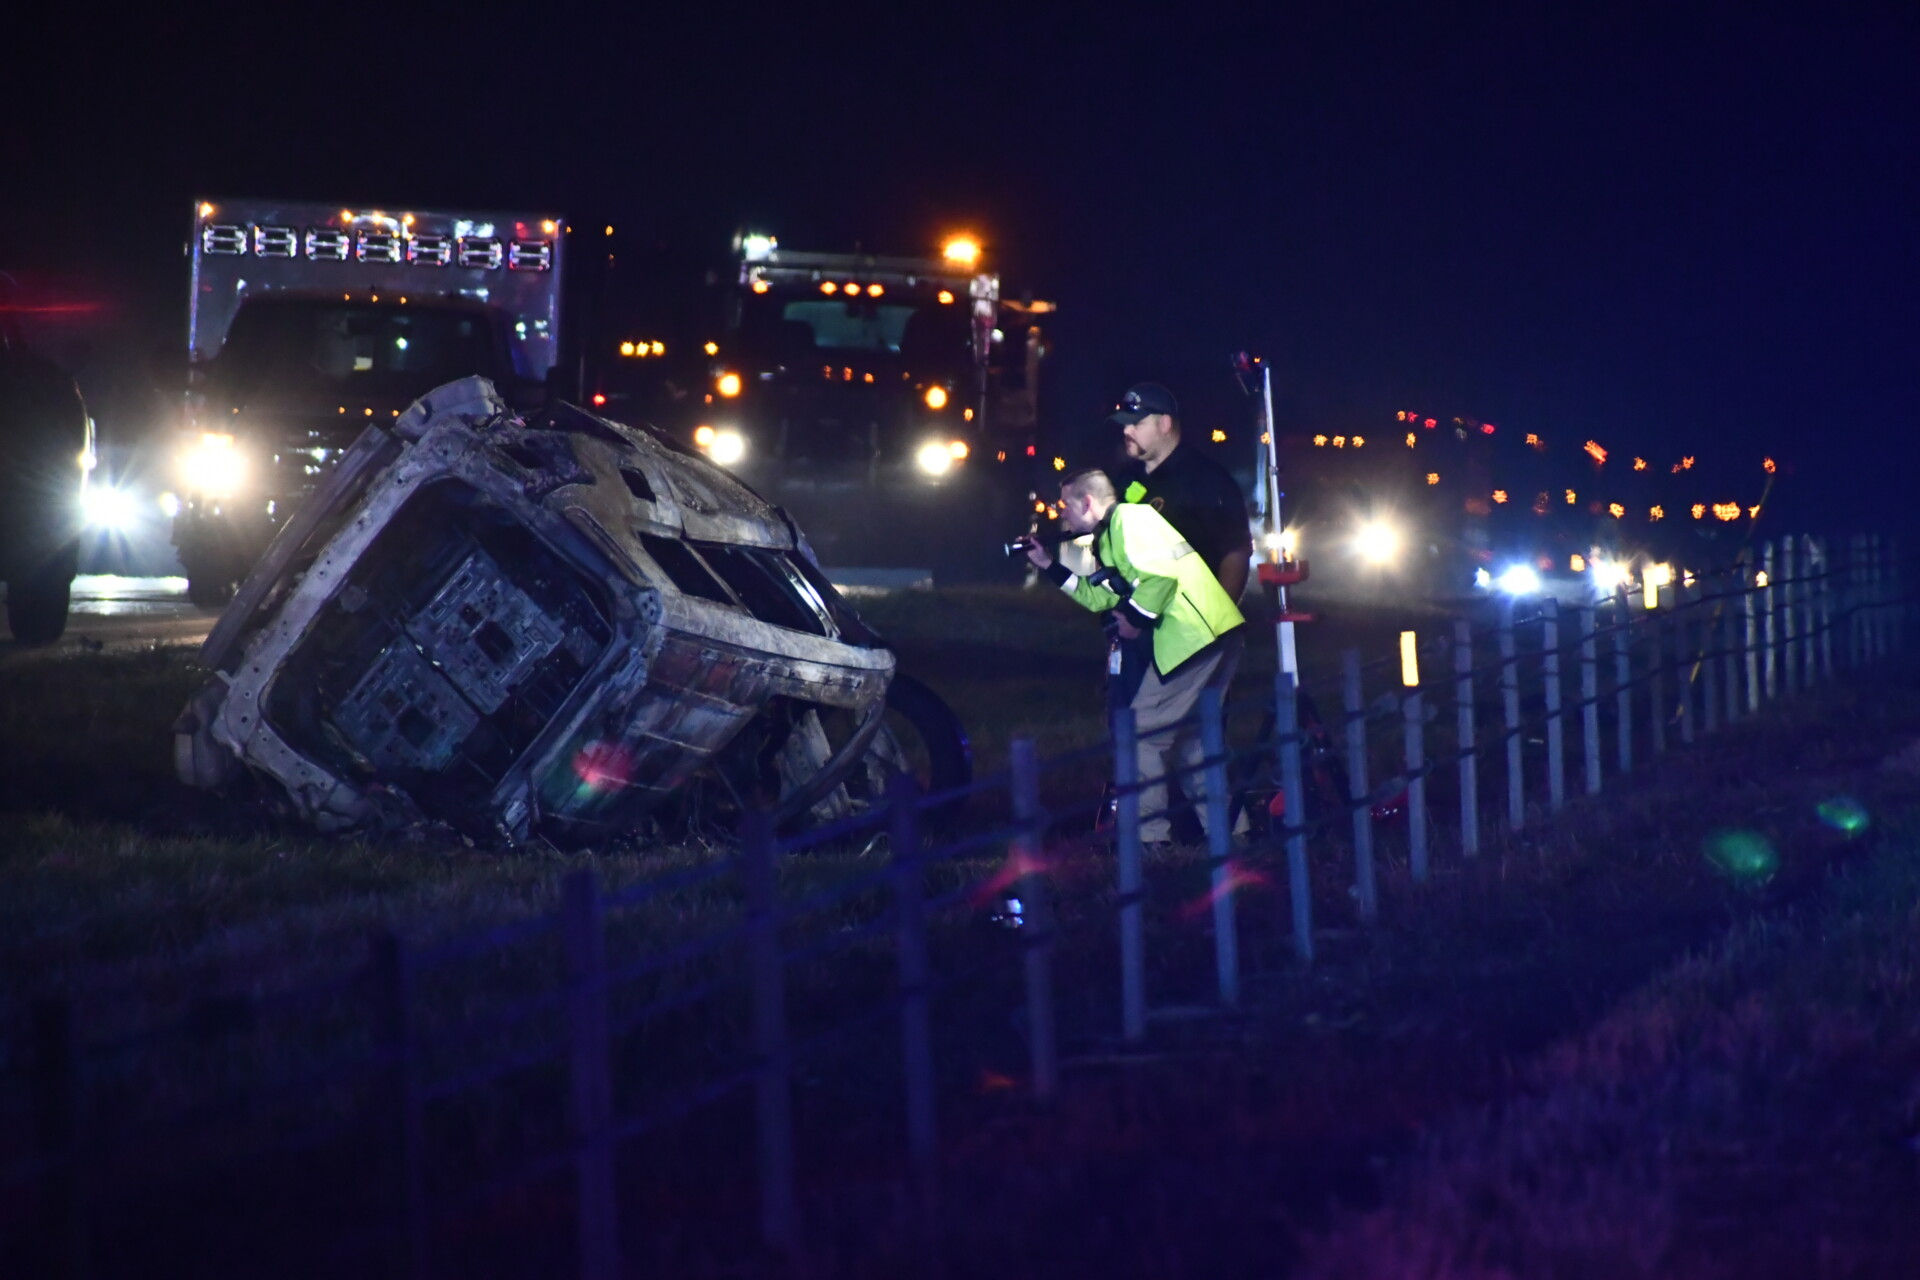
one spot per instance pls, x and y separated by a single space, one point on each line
1195 494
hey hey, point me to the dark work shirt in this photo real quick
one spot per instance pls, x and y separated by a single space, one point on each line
1199 498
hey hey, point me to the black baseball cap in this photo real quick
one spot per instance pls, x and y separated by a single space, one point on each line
1143 401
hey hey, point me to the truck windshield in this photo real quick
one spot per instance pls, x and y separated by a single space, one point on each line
797 328
311 343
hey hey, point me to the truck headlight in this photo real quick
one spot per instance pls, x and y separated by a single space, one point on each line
1519 580
727 447
1377 542
213 467
935 457
1610 575
108 508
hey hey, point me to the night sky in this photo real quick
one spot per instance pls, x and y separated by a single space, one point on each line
1653 225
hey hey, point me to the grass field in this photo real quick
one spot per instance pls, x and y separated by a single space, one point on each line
1627 1041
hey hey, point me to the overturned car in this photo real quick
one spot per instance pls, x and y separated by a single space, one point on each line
553 628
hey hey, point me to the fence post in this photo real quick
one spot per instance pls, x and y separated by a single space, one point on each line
1682 652
1223 874
1730 655
393 1031
1043 1054
1769 624
1656 684
1414 710
590 1099
1623 678
1469 755
1749 647
1287 726
1510 709
1556 730
1709 666
772 1086
915 973
1809 590
1790 589
57 1092
1126 830
1590 697
1827 587
1360 793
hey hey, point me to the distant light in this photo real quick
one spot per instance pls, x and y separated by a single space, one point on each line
1319 442
1409 660
1486 428
728 385
1030 451
703 435
1059 464
1219 436
828 286
659 348
958 449
1639 464
1430 424
1572 497
1610 576
206 210
1339 442
1411 438
599 398
609 228
1615 510
1577 563
755 247
1359 442
626 348
400 343
346 215
852 289
1699 510
875 290
169 504
1433 477
761 286
1768 465
1482 578
368 411
712 348
1760 579
1656 512
1519 580
549 227
961 250
967 413
1500 495
945 296
936 397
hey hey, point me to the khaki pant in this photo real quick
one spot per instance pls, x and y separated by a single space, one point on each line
1157 707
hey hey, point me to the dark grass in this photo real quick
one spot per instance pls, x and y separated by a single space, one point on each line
1217 1153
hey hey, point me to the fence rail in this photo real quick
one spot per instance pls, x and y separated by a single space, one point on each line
1716 649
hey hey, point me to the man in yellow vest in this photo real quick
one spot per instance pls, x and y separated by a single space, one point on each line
1153 582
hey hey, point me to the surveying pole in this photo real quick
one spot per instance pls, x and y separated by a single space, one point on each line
1277 570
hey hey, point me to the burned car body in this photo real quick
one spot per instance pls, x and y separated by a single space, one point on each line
539 628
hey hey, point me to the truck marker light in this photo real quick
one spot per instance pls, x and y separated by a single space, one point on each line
369 411
853 290
875 290
1219 436
958 449
599 398
728 385
761 286
550 227
713 348
1576 563
828 286
703 435
659 348
867 376
626 348
962 250
945 297
936 397
966 414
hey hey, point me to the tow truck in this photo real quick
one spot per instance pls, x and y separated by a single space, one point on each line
889 403
308 321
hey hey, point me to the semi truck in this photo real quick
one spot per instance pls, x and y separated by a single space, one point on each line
307 321
890 404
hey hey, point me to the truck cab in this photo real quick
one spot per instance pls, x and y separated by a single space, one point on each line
309 322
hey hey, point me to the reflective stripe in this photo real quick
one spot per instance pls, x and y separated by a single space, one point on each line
1073 580
1181 549
1145 613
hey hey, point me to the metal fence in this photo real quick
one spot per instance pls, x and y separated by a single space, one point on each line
580 1015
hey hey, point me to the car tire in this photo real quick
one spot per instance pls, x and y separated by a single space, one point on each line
37 606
